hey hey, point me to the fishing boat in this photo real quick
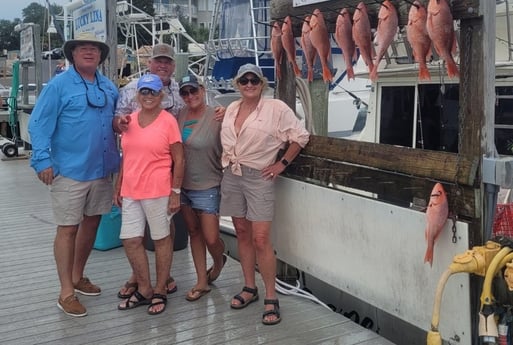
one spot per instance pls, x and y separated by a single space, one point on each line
350 214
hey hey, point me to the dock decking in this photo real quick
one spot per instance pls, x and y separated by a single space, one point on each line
28 312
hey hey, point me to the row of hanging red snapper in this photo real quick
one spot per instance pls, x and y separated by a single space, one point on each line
427 27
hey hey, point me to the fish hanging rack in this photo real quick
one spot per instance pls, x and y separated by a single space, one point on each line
460 9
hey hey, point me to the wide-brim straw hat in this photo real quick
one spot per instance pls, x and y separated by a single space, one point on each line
85 37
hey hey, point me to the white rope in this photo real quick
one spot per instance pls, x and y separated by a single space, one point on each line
287 289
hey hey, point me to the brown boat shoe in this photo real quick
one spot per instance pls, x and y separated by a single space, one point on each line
85 287
71 306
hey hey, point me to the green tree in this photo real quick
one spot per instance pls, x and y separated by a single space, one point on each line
38 14
9 39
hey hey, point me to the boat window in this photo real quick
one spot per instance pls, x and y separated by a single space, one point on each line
434 124
396 124
437 125
504 120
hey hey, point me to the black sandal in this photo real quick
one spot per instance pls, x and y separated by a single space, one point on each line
244 303
275 311
163 300
131 304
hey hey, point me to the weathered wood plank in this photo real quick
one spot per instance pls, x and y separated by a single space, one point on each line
435 165
398 189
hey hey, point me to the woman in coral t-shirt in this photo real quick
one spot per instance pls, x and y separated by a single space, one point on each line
148 188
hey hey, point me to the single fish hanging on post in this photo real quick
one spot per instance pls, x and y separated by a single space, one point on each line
436 217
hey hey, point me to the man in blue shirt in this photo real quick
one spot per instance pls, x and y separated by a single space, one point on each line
74 152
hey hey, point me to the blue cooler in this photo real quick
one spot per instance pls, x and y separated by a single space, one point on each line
107 236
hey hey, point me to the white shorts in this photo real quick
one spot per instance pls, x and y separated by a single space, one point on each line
135 213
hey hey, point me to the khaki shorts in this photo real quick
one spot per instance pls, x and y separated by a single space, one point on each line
135 213
248 196
71 199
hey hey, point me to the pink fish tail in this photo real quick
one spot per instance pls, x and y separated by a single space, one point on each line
310 74
350 73
326 74
278 71
424 73
452 69
429 255
297 71
374 73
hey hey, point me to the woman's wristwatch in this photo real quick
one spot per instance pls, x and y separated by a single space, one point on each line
284 162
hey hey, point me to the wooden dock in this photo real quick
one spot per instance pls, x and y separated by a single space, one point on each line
28 312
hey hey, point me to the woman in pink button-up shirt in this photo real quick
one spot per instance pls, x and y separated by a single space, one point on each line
253 132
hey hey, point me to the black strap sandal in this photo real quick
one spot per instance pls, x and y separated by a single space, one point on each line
131 304
163 300
244 303
275 312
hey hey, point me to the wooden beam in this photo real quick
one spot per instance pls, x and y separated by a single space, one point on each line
395 188
461 9
434 165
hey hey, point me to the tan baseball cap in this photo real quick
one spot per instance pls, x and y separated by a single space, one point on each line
163 50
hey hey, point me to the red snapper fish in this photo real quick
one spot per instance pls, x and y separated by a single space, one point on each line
308 48
321 42
344 39
362 34
436 216
387 28
289 44
417 35
277 48
440 29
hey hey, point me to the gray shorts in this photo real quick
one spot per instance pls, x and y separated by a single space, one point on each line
248 196
71 199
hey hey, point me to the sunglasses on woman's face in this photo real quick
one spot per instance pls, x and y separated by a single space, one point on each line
253 81
146 92
190 91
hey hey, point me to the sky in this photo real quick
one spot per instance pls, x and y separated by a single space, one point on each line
12 8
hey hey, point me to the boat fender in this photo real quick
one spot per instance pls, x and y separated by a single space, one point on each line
352 313
367 323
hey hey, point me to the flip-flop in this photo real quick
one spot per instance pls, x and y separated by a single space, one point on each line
172 290
195 294
163 300
130 304
244 303
128 285
209 271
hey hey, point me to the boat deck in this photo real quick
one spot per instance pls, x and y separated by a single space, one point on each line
28 312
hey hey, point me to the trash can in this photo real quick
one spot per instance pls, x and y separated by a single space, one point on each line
107 236
181 234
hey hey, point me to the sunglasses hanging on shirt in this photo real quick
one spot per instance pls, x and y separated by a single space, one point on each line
93 97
